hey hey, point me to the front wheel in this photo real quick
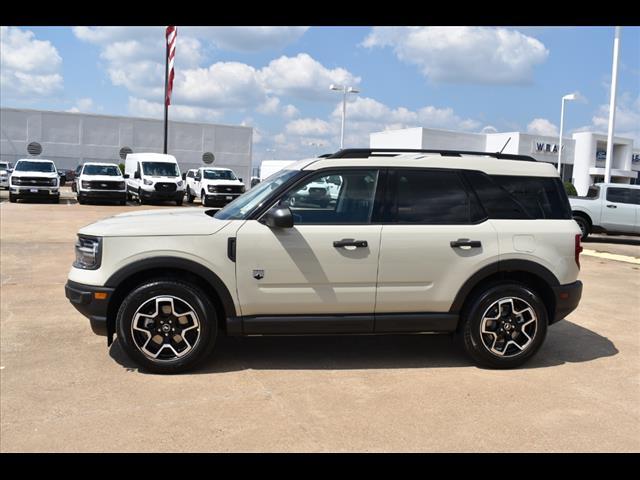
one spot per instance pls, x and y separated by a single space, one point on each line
504 326
190 196
167 326
13 198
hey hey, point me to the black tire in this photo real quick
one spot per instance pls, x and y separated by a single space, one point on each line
472 317
13 198
81 200
190 196
179 202
55 200
63 180
204 199
186 292
585 226
141 200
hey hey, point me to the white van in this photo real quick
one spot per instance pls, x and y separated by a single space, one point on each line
153 176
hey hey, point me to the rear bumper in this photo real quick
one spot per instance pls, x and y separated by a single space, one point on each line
83 298
567 298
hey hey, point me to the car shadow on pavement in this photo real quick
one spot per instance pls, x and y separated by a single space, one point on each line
566 342
613 240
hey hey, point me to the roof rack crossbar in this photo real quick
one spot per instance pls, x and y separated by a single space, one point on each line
392 152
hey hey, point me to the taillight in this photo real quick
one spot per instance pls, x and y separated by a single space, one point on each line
578 244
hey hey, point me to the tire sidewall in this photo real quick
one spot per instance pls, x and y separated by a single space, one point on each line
582 222
471 330
193 296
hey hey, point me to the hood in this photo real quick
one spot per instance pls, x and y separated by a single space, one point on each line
102 178
166 222
26 173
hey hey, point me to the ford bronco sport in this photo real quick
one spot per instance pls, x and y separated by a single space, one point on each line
473 243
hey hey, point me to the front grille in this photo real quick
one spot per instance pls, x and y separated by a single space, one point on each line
105 185
229 189
34 181
165 187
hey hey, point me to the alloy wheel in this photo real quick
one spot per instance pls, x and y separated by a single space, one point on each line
508 327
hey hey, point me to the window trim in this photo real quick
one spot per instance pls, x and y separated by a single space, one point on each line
297 181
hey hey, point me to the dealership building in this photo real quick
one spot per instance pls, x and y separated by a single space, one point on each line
583 155
70 139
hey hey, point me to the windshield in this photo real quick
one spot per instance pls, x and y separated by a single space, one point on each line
245 204
160 169
219 175
4 165
27 166
110 170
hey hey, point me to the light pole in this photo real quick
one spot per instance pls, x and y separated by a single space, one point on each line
612 106
344 89
571 96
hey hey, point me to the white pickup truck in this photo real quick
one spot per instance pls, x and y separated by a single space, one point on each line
214 186
611 208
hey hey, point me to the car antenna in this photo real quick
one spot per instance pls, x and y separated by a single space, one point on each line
504 146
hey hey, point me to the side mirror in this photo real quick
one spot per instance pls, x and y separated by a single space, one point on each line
184 176
240 179
136 175
279 217
126 175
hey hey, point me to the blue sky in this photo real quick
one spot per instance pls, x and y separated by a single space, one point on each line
276 79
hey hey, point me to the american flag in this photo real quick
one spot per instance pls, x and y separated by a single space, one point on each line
172 32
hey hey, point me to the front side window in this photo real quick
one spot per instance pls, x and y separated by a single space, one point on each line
160 169
190 174
219 175
430 198
339 198
109 170
27 166
619 195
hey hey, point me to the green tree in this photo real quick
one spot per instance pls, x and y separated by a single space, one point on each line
570 189
121 165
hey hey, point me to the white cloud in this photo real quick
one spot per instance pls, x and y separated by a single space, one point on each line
290 111
309 127
627 120
304 77
82 105
248 39
28 67
269 106
542 126
463 54
143 108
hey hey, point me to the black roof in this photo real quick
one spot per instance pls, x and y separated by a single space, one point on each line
393 152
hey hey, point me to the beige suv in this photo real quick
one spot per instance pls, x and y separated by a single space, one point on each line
473 243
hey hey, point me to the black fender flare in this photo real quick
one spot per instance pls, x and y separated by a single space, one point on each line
513 265
168 262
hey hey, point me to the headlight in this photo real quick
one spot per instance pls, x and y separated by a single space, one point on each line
242 189
86 184
213 188
148 182
53 182
88 252
179 183
15 181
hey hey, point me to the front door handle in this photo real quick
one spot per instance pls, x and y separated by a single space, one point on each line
349 242
465 242
612 206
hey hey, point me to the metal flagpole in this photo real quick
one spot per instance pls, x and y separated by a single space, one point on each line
166 84
612 107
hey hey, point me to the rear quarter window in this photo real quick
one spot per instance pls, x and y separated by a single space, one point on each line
521 197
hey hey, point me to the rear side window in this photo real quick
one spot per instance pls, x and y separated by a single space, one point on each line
521 197
430 197
619 195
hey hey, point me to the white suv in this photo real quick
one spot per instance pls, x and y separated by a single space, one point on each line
33 178
215 187
432 241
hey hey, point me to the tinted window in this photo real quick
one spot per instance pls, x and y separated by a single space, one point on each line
521 197
191 174
430 197
101 170
27 166
160 169
219 175
636 196
619 195
340 198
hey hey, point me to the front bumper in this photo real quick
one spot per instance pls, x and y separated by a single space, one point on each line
160 195
567 298
34 192
221 198
83 298
112 195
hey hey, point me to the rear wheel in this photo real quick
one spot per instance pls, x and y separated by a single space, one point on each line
504 326
583 223
167 326
13 198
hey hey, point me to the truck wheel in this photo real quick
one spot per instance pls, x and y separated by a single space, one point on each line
179 202
190 196
167 326
584 225
141 200
204 199
13 198
504 325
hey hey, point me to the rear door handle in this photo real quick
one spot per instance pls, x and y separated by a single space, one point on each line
349 242
612 206
465 242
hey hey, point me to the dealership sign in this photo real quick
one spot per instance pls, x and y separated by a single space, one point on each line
543 147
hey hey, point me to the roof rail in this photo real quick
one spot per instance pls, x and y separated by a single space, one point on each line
393 152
